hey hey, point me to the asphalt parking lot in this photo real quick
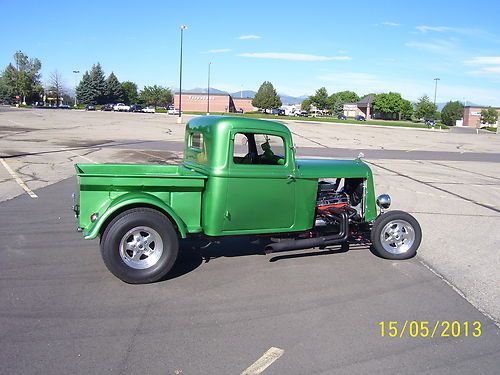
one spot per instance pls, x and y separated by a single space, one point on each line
224 306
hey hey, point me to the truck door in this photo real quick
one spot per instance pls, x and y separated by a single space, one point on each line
261 184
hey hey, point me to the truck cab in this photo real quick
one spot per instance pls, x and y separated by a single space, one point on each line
252 180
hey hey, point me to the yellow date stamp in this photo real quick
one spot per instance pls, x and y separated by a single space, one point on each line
438 328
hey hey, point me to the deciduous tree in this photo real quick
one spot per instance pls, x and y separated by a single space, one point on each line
156 95
56 87
320 99
21 78
266 97
452 111
424 108
489 116
130 94
338 99
306 105
391 102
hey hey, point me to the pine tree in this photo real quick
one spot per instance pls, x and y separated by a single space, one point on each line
114 91
83 90
97 84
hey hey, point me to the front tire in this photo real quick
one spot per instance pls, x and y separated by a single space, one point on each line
396 235
139 246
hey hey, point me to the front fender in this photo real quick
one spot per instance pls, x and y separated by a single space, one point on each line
134 199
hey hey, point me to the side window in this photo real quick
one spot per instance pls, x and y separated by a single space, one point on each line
197 145
258 149
196 141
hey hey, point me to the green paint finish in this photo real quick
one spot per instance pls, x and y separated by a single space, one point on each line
213 194
107 188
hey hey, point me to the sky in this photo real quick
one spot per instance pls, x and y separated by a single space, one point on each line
300 46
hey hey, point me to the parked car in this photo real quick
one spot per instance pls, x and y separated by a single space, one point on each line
239 110
136 108
430 123
107 107
342 117
149 109
143 212
301 113
64 106
121 107
173 111
90 107
360 118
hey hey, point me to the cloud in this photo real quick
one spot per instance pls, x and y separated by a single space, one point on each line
468 32
483 60
435 46
439 29
394 24
292 56
221 50
486 65
246 37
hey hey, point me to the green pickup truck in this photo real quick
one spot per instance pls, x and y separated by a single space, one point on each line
239 176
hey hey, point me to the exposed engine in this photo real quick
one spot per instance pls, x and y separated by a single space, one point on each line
331 198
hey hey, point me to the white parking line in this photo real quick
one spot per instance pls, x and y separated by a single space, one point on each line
83 157
264 362
151 155
18 179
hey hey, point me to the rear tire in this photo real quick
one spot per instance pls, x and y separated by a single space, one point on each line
139 246
396 235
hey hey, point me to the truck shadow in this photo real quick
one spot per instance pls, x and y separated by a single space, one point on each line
193 253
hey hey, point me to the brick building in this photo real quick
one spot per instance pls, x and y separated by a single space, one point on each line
472 117
197 102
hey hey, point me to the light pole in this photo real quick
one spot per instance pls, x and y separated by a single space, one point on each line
179 120
435 90
76 72
208 89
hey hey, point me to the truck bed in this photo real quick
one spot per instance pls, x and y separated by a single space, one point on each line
105 185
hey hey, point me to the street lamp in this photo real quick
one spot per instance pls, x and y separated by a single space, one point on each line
208 89
76 72
179 120
435 90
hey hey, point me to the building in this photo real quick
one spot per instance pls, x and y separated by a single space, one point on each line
365 108
198 102
472 117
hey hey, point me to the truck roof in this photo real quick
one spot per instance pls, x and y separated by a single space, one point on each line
213 124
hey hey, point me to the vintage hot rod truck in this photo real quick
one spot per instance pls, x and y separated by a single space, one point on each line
239 176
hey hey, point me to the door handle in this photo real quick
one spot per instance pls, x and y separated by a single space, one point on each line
291 177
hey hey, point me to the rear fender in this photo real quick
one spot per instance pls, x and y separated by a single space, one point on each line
135 200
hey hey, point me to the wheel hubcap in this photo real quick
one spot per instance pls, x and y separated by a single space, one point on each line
397 237
141 247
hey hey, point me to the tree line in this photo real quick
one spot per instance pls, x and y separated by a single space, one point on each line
95 88
21 82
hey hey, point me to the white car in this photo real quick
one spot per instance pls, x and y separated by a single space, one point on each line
149 109
121 107
173 111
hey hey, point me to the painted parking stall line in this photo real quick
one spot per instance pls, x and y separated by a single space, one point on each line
264 362
81 156
18 179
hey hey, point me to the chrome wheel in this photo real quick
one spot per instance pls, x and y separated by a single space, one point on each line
397 236
141 247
